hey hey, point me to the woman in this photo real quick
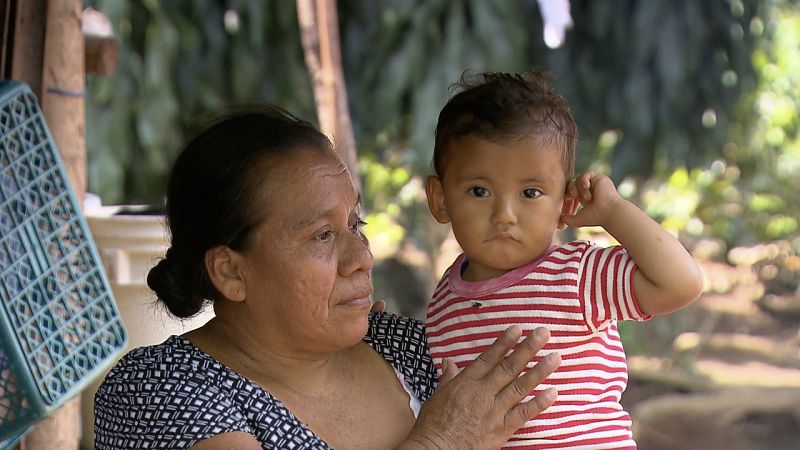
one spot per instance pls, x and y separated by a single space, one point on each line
265 225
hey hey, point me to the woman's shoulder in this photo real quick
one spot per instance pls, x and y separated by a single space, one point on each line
397 336
171 393
383 325
402 342
174 358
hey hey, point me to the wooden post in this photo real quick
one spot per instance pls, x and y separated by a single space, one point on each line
319 33
28 52
63 87
62 99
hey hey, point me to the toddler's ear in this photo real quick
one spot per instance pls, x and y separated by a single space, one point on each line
568 208
435 192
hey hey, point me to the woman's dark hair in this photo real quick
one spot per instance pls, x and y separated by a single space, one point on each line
501 107
211 198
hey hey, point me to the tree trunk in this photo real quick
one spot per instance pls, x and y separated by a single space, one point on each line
319 33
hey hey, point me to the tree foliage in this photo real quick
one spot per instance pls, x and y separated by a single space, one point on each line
668 79
664 76
658 88
180 60
698 96
751 192
654 85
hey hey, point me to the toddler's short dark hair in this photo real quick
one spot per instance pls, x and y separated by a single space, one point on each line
501 107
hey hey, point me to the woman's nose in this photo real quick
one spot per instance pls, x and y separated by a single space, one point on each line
503 212
356 255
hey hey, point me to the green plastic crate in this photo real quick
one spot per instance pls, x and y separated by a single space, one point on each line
59 325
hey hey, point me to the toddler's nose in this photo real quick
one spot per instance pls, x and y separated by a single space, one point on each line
504 213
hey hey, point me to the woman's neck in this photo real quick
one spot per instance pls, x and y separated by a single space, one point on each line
303 373
350 398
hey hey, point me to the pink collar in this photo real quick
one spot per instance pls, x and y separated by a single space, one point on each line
480 288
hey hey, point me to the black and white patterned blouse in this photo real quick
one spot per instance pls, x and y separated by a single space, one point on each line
173 395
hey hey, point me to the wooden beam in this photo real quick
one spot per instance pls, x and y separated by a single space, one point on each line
101 54
101 46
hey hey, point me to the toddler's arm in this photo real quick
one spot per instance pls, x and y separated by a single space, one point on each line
667 278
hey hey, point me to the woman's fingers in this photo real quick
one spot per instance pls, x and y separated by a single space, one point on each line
525 411
487 361
482 406
517 387
449 371
378 306
523 385
511 366
503 372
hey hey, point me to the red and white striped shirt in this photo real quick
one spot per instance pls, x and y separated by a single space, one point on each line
578 291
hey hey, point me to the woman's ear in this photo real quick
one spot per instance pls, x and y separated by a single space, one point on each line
435 192
225 270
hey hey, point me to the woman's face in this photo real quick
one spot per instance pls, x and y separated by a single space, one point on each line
307 267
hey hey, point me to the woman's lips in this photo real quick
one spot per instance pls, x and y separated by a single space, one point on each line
358 300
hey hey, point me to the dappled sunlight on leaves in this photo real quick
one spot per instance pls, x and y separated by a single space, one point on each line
384 234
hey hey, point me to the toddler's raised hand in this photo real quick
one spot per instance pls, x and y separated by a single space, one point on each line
597 195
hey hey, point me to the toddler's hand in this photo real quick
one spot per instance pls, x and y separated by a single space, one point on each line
597 194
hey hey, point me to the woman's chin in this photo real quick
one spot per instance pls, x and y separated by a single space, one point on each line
353 317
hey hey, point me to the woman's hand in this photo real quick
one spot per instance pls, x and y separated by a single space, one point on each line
378 306
480 407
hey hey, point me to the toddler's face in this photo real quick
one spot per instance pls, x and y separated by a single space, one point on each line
504 201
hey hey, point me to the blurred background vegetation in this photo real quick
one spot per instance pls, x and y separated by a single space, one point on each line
691 106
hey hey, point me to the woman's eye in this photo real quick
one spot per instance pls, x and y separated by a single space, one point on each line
358 226
531 193
478 191
325 236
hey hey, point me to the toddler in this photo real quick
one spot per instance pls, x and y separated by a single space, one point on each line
504 158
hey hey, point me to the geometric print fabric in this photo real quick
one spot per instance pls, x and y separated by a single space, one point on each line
173 395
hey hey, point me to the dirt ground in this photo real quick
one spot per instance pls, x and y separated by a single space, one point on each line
723 373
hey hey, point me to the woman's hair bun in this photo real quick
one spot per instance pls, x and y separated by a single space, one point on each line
173 289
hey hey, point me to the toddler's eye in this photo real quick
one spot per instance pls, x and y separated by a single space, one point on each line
478 191
531 193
